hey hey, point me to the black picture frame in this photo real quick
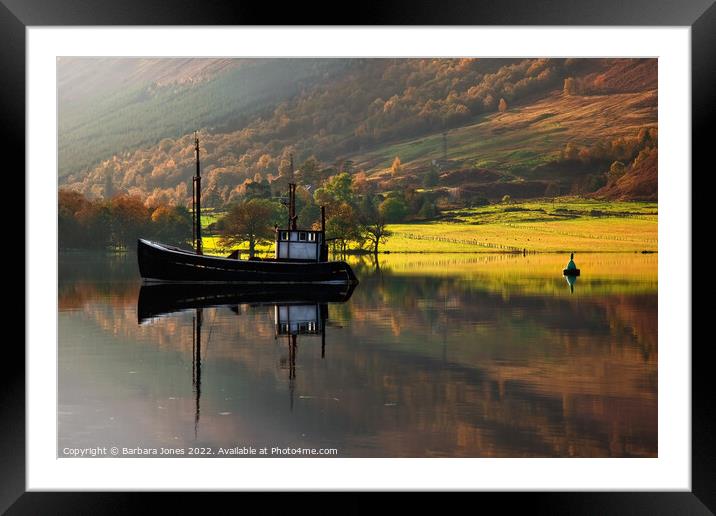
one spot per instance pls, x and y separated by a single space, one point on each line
700 15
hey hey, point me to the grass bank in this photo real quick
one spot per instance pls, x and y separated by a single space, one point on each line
566 224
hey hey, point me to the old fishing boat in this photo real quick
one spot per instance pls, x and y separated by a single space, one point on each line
301 255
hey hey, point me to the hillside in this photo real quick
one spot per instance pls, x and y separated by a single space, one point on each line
522 152
109 106
518 127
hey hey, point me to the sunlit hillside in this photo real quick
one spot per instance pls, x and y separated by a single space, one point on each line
526 127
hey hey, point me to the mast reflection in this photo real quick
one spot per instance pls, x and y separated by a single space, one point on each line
196 364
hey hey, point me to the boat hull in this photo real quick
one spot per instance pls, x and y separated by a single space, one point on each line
163 263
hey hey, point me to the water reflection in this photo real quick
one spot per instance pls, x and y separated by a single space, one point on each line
297 311
477 356
571 280
163 299
196 363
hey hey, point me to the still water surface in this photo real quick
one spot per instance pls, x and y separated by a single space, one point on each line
430 356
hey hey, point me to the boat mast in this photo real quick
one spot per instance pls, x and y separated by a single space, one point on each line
196 200
292 198
323 255
292 206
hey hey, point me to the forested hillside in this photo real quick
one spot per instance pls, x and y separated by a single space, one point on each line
471 129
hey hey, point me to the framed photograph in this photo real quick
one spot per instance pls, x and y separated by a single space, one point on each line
437 251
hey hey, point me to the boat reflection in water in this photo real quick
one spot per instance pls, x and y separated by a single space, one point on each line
297 311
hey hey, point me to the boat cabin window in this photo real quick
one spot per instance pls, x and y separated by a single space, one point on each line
311 237
284 235
302 236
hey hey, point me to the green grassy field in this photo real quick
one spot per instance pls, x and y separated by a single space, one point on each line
210 215
562 225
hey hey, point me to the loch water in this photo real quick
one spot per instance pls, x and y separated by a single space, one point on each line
445 355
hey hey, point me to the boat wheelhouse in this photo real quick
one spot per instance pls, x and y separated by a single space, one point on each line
293 243
300 245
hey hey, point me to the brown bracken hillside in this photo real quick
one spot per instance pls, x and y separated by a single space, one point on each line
522 127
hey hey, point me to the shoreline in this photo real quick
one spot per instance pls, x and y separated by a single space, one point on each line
516 253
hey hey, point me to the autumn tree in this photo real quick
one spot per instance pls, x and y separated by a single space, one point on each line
308 212
338 189
69 231
375 233
172 224
278 186
249 221
257 189
342 226
264 162
428 210
284 168
82 223
108 184
393 210
396 168
616 170
310 171
570 86
338 196
360 183
95 224
129 220
309 215
551 190
502 106
570 152
373 227
101 224
584 155
646 136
